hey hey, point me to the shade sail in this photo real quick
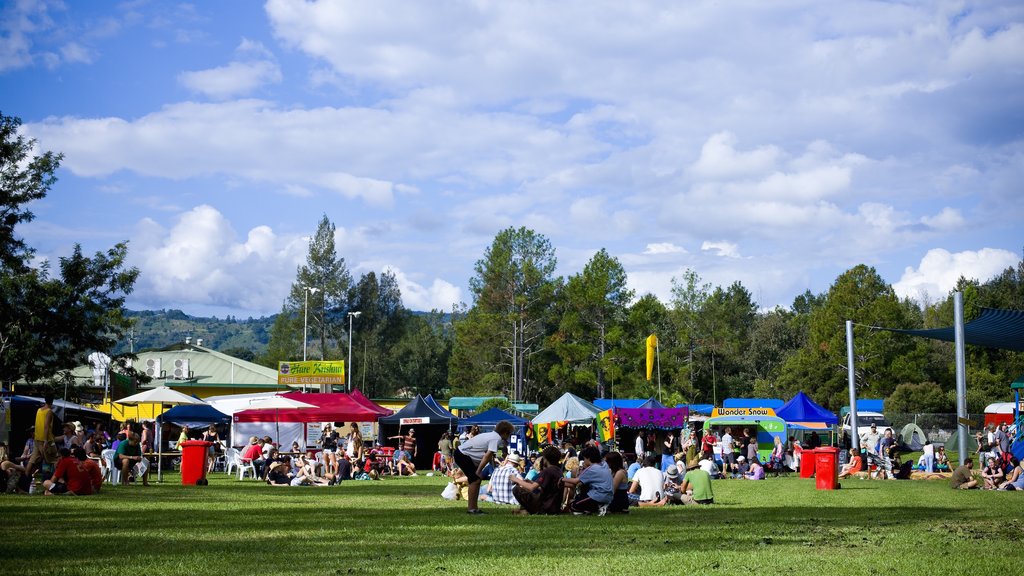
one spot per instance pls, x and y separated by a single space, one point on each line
568 408
802 409
992 329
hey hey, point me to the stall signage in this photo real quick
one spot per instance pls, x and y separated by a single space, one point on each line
313 372
742 412
406 421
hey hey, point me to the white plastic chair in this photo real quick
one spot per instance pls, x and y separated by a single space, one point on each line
235 459
113 474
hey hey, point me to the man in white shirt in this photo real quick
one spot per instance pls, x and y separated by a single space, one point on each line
870 440
728 456
473 455
648 485
638 447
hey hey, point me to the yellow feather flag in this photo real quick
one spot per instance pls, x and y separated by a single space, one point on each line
652 343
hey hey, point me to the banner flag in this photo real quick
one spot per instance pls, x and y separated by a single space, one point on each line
605 425
652 344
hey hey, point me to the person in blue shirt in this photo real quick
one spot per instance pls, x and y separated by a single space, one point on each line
633 467
594 484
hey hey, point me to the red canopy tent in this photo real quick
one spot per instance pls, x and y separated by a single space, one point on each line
329 408
363 400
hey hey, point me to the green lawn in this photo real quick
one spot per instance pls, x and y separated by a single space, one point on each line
402 526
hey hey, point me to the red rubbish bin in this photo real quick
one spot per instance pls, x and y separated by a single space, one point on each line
807 462
826 468
193 461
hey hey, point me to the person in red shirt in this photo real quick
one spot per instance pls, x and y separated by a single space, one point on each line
853 467
71 476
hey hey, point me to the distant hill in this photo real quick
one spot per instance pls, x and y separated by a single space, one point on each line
243 339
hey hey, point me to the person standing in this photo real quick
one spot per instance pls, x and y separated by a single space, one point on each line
43 447
638 446
728 455
474 454
211 436
444 446
870 440
407 442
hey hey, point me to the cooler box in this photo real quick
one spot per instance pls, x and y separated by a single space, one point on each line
826 468
807 462
193 461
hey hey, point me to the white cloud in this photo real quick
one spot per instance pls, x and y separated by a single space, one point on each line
664 248
200 261
234 79
723 249
440 295
939 270
947 220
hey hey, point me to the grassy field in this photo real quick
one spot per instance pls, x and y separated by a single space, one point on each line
402 526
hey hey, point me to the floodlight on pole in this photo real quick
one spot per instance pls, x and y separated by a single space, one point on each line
305 316
348 366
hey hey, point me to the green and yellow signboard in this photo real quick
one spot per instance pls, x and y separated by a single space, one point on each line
311 373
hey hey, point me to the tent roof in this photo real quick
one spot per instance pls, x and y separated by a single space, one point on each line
469 402
420 407
992 329
801 408
329 408
493 416
568 408
652 403
361 399
195 413
58 405
606 403
441 410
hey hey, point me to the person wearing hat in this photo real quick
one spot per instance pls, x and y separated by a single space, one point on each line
673 489
499 489
696 486
742 466
278 474
475 453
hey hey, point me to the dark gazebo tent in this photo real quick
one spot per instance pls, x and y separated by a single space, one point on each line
430 421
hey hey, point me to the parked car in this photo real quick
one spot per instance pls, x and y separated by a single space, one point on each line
864 422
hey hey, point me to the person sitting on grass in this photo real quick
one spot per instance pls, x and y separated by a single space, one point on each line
72 475
593 485
620 483
543 494
499 489
992 474
941 460
742 467
963 478
696 486
756 471
853 466
129 459
278 474
1015 479
12 475
405 467
648 484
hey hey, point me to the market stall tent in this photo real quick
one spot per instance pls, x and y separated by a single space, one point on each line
428 419
569 408
488 419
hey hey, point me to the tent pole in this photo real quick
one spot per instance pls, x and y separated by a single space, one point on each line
657 355
961 378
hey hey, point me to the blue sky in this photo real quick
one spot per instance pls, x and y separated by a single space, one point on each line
777 144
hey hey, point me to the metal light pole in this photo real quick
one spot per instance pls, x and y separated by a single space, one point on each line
348 367
305 316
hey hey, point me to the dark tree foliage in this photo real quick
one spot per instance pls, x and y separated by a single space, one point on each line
50 322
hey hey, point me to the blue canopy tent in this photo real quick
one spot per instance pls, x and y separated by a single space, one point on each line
194 415
488 419
803 414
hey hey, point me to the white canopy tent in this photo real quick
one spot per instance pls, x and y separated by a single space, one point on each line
568 408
